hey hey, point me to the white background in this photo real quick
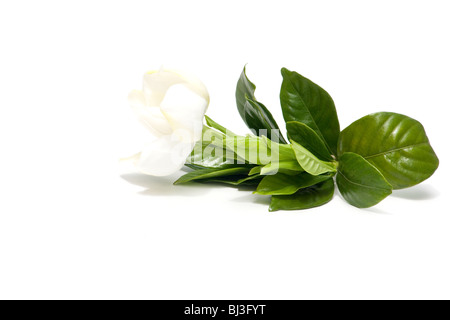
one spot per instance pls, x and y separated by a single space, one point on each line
74 224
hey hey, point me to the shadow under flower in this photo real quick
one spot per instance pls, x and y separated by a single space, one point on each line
163 186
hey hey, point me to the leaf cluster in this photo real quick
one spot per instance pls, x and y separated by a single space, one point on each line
374 155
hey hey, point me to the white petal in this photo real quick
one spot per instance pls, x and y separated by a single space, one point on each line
131 160
150 117
193 83
156 84
184 109
164 156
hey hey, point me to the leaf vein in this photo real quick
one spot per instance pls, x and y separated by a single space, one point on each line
359 184
394 150
309 112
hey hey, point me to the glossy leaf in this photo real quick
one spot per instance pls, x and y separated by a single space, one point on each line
218 150
212 137
204 174
287 167
210 152
250 149
309 162
255 170
311 197
309 139
207 156
237 180
255 115
283 184
259 150
279 152
259 119
244 89
304 101
395 144
210 122
233 149
359 182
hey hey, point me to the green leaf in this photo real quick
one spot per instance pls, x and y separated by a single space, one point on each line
218 150
359 182
259 119
308 138
244 89
255 115
250 149
210 122
208 156
259 151
311 197
255 170
395 144
279 152
238 180
212 137
304 101
204 174
283 184
309 162
210 152
287 167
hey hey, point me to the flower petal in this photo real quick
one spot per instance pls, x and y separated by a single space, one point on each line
150 117
156 84
164 156
194 84
184 109
132 160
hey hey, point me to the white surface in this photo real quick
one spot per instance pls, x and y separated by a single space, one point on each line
74 224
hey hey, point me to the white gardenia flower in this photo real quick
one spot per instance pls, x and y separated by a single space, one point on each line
171 106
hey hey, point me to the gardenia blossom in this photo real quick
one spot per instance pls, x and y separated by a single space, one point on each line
171 106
